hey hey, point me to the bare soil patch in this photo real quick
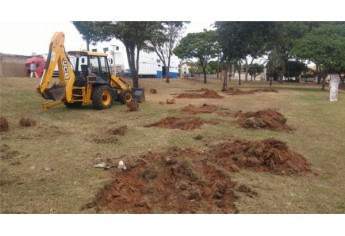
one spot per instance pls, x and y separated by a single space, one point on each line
200 93
120 130
189 181
236 91
264 119
185 123
205 108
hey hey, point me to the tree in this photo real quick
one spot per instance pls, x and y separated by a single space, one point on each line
88 30
324 46
243 40
255 69
164 41
202 46
282 38
294 69
134 35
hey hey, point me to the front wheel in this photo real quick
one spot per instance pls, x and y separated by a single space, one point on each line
126 96
102 97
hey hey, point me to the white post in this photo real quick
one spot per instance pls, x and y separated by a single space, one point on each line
114 49
334 84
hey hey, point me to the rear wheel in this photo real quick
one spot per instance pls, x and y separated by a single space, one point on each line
126 96
102 97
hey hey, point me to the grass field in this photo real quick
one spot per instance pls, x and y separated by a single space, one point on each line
48 168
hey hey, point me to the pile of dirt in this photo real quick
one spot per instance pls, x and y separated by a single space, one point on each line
27 122
201 93
185 123
236 91
3 124
173 182
264 119
202 109
133 105
189 181
270 155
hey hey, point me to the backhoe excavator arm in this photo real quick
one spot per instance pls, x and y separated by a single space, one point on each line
61 92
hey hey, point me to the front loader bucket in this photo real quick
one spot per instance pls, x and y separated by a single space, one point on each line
56 92
139 94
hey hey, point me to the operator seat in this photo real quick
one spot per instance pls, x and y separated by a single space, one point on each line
84 70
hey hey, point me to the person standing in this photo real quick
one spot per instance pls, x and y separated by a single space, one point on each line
33 70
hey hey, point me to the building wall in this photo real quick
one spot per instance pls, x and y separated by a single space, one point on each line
12 65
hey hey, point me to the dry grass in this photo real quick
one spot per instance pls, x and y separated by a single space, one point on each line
51 168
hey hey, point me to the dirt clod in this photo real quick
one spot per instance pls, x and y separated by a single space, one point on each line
27 122
3 124
133 105
153 91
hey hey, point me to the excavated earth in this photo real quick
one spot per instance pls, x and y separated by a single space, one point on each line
205 108
200 93
264 119
189 181
184 123
236 91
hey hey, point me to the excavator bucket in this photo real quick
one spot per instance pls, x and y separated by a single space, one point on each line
56 92
139 94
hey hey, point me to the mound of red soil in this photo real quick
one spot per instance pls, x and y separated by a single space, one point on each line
27 122
264 119
188 181
3 124
202 109
236 91
201 93
172 182
186 123
269 155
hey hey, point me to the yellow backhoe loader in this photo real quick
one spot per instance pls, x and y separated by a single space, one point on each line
89 81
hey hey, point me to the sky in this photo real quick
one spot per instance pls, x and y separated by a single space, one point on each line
28 38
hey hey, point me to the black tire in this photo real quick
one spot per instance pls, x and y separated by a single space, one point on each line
102 97
73 105
126 96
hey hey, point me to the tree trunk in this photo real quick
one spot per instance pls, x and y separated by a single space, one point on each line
225 80
204 72
239 73
323 88
167 71
246 67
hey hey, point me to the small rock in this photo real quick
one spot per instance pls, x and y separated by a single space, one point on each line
48 169
121 165
101 165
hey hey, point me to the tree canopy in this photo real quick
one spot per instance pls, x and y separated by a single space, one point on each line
202 46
